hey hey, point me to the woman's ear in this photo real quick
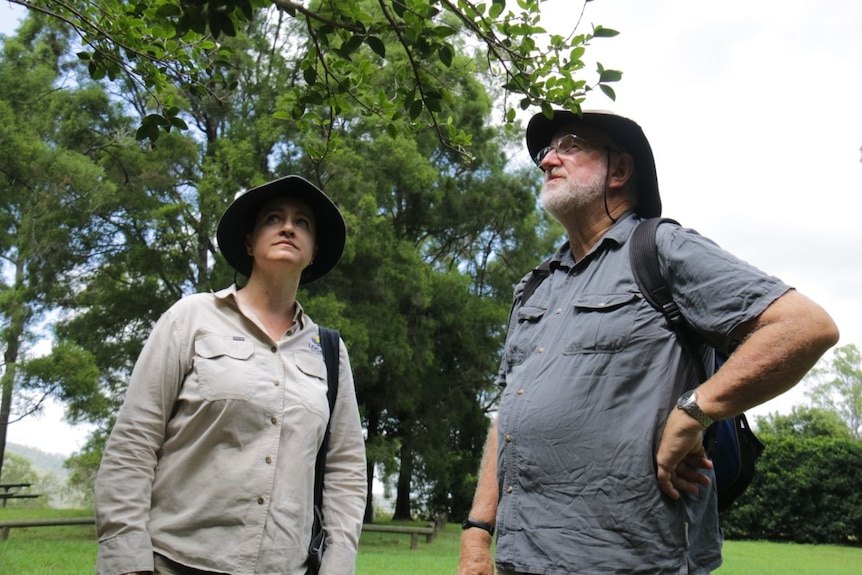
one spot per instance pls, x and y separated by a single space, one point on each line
248 247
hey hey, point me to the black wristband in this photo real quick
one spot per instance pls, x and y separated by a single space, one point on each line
468 523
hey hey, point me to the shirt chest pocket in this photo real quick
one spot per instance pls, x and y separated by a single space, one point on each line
313 383
518 347
602 323
224 368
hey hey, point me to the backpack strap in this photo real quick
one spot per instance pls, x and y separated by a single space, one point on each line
537 276
329 344
645 265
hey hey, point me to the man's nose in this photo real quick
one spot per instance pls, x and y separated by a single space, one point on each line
550 160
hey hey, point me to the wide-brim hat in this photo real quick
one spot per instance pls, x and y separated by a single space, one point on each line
627 135
238 221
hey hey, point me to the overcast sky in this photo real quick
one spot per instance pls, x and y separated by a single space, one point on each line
754 113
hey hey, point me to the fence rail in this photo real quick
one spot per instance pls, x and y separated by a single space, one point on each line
414 531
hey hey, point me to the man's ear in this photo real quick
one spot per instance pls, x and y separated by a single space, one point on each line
622 170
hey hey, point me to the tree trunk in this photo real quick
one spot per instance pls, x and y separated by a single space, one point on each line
7 382
373 427
405 473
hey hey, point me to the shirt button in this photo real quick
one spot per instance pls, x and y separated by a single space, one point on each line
274 420
558 311
260 500
268 459
541 350
520 392
508 437
509 489
276 382
273 349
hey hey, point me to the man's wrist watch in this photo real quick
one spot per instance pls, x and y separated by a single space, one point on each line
468 523
688 403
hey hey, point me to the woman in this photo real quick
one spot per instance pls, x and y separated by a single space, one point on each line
210 465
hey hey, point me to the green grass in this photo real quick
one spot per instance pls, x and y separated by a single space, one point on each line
71 550
764 558
390 554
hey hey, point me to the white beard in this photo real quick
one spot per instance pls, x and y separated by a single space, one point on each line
563 197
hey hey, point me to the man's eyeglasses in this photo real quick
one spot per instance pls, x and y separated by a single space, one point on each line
564 145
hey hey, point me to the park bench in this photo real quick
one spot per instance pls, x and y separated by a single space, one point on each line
11 491
429 531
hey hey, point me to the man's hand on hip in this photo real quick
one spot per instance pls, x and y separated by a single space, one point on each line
681 456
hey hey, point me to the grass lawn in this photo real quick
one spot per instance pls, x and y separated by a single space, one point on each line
71 550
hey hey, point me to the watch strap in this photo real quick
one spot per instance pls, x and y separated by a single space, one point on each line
468 523
688 403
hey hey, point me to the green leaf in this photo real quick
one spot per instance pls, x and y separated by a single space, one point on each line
415 109
497 8
376 45
609 92
610 76
601 32
447 54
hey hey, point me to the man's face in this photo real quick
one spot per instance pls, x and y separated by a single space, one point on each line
575 170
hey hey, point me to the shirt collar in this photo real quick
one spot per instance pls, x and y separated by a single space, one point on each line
617 235
229 293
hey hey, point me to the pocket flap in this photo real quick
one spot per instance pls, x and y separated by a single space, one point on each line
310 363
531 313
211 346
603 301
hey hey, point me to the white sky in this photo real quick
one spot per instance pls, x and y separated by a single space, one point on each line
754 113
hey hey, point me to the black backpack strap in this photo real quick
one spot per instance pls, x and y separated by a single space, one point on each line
647 272
537 276
329 343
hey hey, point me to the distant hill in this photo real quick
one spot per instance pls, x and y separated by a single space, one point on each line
40 461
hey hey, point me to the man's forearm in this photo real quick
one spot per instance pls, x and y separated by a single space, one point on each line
485 500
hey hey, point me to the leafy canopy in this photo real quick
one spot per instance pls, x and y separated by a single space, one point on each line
157 43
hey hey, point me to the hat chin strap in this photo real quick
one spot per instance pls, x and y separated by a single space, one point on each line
607 181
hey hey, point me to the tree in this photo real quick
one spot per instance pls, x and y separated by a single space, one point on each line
421 296
158 45
838 386
19 470
49 193
804 422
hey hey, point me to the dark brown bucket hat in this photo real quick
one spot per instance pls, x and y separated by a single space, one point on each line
238 220
628 136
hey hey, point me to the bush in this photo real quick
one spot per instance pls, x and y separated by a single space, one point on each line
806 490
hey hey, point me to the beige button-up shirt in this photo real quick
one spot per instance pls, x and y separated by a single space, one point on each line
211 460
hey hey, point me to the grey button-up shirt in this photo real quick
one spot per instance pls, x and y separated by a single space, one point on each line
591 371
211 461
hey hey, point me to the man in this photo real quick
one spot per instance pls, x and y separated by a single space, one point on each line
595 463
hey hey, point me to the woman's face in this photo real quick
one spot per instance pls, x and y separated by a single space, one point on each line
283 234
